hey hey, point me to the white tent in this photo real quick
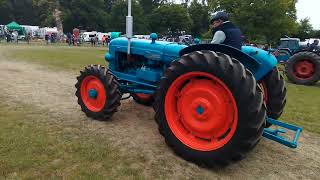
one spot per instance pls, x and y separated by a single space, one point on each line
47 30
34 30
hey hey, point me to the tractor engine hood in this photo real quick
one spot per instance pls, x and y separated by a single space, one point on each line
158 50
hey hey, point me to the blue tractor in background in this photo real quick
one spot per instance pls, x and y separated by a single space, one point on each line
212 103
301 59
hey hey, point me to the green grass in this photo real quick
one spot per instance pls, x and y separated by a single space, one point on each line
32 150
303 106
57 57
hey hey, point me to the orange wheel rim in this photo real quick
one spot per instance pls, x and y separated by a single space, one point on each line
93 93
304 69
201 111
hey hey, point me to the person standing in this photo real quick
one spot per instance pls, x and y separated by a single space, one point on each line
69 38
46 38
28 37
103 40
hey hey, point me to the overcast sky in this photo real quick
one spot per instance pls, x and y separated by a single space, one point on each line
310 8
306 8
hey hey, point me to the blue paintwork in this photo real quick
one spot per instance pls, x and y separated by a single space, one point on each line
266 60
162 51
275 134
258 61
200 110
93 93
156 56
148 74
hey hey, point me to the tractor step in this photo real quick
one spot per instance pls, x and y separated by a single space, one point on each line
275 134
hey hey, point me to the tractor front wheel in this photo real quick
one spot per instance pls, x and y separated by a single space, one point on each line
98 92
209 108
304 68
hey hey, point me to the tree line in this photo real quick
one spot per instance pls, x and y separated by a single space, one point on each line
260 20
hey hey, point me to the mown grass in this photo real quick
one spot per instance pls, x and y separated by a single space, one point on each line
303 107
303 102
56 57
30 149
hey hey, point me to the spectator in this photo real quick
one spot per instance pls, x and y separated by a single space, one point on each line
96 41
46 37
107 41
52 38
28 37
8 37
91 41
15 36
69 38
104 39
266 47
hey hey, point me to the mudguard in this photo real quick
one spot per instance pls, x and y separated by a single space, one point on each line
257 61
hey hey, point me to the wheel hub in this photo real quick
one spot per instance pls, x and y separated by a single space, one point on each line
200 110
304 69
93 94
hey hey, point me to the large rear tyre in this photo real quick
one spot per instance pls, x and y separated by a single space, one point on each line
209 109
274 93
143 99
98 92
303 68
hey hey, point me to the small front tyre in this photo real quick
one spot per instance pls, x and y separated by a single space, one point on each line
98 92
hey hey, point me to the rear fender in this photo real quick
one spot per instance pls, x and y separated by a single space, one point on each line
257 61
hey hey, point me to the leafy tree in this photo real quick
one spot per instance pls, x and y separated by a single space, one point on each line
86 14
200 17
21 11
5 12
170 18
117 21
305 29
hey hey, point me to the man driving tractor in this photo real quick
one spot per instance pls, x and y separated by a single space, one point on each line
224 32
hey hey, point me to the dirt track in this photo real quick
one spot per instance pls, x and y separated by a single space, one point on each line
134 131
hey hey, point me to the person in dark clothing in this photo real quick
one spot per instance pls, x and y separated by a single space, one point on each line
46 37
8 37
224 32
69 38
314 46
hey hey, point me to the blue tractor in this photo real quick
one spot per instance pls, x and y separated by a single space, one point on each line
212 103
302 60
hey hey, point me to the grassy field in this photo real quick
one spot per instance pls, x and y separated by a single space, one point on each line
57 56
42 149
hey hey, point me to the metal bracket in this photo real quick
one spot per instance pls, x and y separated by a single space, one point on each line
275 134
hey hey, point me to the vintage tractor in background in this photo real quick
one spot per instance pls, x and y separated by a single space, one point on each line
212 103
301 59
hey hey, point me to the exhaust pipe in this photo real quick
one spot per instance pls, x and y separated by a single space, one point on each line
129 26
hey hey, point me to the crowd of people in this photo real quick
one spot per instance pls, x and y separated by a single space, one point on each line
49 38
